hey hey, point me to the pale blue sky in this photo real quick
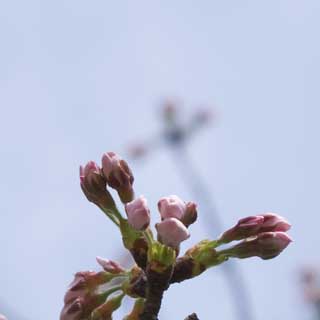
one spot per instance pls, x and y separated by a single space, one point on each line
79 78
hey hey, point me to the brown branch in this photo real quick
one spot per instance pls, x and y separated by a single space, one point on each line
192 316
182 271
157 283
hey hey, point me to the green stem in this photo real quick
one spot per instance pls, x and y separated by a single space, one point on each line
149 237
110 214
113 214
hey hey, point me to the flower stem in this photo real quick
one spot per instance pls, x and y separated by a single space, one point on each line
148 235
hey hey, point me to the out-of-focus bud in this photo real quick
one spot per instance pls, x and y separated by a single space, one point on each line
245 228
169 110
93 185
190 215
203 116
137 151
110 266
72 311
138 213
171 207
273 222
118 175
85 282
265 245
104 312
172 232
2 317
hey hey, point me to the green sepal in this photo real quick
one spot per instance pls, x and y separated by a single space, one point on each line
129 234
160 257
136 311
105 310
133 276
205 256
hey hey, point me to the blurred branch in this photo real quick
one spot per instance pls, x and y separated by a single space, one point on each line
192 316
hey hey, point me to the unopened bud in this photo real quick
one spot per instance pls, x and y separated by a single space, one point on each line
110 266
190 215
245 228
137 151
118 175
93 185
170 110
203 116
2 317
171 207
265 245
273 222
84 283
172 232
72 311
252 226
138 213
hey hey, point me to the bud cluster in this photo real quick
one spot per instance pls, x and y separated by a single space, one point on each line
96 295
263 236
176 216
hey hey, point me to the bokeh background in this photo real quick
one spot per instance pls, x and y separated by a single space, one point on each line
82 77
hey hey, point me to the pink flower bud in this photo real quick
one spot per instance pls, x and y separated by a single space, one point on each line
252 226
83 295
138 213
72 311
93 185
265 245
245 228
84 282
171 207
91 180
274 222
171 232
190 215
118 175
2 317
203 116
110 266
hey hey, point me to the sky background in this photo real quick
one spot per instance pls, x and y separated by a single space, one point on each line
80 78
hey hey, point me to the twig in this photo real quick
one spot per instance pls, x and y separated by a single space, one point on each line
156 285
192 316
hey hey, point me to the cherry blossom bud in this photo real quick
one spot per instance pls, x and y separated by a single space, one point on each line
171 232
170 110
245 228
137 151
138 213
110 266
274 222
118 175
190 215
203 116
265 245
171 207
252 226
93 185
2 317
72 311
85 282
